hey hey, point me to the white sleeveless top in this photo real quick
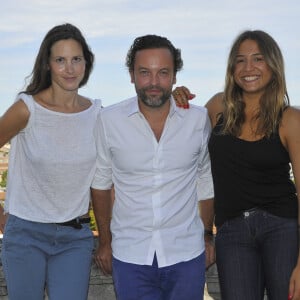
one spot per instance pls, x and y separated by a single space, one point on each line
52 164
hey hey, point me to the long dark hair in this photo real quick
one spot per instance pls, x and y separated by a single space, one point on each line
40 77
152 41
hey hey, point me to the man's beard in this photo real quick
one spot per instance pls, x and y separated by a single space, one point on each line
153 101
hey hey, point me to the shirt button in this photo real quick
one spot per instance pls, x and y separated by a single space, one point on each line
246 214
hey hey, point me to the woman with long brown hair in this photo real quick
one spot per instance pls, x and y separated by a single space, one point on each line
254 140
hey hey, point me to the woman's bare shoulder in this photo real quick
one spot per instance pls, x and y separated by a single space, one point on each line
214 107
291 116
13 120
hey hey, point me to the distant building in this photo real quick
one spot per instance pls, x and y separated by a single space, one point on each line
4 154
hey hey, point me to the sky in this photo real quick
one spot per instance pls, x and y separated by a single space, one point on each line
204 30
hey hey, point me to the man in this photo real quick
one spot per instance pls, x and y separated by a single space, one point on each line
155 154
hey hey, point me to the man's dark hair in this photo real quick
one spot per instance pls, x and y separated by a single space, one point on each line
151 42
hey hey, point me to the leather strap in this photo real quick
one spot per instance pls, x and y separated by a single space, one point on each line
75 223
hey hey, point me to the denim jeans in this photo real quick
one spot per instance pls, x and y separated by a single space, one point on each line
181 281
35 255
254 252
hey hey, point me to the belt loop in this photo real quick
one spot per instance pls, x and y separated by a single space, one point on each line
77 224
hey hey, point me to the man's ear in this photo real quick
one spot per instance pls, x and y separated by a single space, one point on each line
174 79
131 76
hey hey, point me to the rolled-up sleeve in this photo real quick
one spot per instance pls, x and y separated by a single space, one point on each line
205 189
103 175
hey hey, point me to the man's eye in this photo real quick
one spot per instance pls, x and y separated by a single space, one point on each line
164 73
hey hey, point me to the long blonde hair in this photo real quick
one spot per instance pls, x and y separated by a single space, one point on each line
275 97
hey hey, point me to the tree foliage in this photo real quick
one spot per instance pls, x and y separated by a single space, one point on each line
3 179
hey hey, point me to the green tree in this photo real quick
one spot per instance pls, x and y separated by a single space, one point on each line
3 179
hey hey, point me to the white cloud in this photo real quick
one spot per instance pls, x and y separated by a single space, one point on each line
204 30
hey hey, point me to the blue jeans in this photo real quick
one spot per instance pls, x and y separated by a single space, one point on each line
254 252
35 255
182 281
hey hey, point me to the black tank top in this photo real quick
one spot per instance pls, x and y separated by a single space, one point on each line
250 174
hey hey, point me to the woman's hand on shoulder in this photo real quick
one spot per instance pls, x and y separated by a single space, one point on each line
12 121
182 95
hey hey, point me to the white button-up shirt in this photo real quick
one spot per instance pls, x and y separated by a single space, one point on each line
157 184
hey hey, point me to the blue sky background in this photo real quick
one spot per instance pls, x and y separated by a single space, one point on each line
203 30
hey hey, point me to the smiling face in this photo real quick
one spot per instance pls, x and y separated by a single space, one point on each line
67 64
153 76
251 72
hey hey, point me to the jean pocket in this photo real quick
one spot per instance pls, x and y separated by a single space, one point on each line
11 224
228 224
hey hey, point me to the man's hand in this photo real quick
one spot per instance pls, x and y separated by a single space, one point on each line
210 256
206 208
103 258
102 205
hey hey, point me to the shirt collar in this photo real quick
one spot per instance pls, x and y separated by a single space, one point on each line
133 108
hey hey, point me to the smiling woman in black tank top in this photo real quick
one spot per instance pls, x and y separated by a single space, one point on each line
254 141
